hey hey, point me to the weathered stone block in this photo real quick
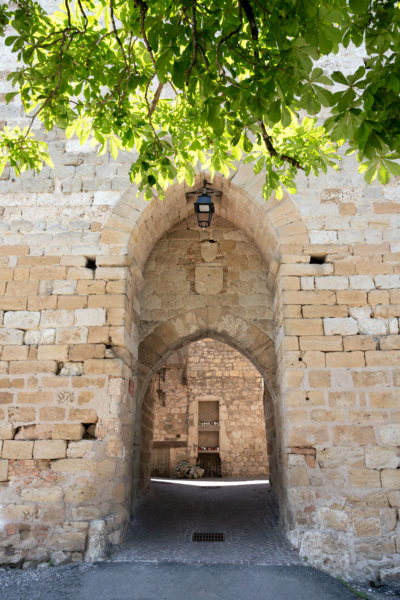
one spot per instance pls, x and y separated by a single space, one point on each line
19 414
394 498
86 351
11 336
303 326
49 494
50 449
35 397
345 359
319 379
85 513
68 542
3 470
347 435
384 399
80 449
298 477
332 283
90 317
17 449
71 465
56 318
365 478
340 326
209 280
333 519
33 366
83 415
321 342
68 431
378 457
373 326
390 479
367 527
6 431
361 282
40 336
53 351
34 432
368 378
78 495
388 519
351 297
112 366
332 458
21 319
72 335
389 434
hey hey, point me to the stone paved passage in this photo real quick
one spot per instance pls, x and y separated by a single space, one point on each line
245 514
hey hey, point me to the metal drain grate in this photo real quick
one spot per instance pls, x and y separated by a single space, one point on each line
202 536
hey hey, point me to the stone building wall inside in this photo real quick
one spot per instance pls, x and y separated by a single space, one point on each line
213 372
218 372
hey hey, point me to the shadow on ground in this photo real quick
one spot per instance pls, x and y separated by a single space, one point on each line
246 515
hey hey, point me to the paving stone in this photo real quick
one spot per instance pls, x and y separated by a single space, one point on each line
247 515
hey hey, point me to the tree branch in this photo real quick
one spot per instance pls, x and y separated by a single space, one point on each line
272 152
156 99
143 10
250 17
116 33
193 27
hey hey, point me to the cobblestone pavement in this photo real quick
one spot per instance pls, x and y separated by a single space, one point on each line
246 515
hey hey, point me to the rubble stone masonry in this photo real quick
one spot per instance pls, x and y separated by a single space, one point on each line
98 288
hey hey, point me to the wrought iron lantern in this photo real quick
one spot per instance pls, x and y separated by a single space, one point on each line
204 208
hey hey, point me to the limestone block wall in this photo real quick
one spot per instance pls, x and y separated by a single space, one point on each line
216 371
171 414
190 269
171 409
342 408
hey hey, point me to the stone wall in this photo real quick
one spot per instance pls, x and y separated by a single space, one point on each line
307 288
217 372
213 372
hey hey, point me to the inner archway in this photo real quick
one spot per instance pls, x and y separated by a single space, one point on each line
166 339
171 516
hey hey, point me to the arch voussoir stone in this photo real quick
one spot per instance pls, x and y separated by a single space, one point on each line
192 325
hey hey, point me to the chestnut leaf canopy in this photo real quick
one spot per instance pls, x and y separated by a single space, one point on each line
210 83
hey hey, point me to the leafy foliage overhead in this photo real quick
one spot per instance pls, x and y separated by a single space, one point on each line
183 82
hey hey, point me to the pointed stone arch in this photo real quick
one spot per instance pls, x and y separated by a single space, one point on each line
229 328
191 326
135 226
